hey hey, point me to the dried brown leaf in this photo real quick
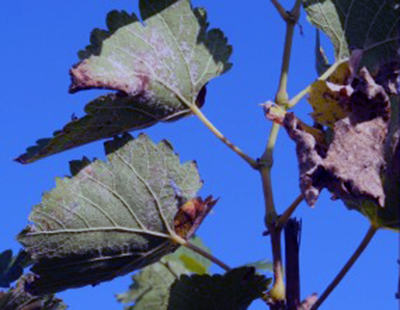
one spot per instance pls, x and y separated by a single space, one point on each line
352 165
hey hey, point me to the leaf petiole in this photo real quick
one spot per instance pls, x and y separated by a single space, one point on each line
200 251
281 221
323 77
196 111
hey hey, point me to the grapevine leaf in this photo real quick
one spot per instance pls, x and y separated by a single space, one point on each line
151 287
324 97
351 166
19 299
107 116
11 268
371 26
235 290
388 217
261 265
158 69
277 114
112 217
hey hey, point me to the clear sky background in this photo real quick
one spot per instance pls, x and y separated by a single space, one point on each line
39 42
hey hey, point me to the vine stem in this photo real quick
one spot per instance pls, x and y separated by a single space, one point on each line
323 77
200 251
196 111
364 243
281 221
277 293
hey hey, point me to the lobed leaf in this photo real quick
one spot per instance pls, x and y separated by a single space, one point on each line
235 290
151 287
159 68
113 217
334 103
351 166
371 26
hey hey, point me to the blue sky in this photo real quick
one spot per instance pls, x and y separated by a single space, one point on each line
40 40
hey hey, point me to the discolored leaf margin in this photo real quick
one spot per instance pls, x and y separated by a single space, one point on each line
235 290
151 287
371 26
388 217
19 299
111 217
325 96
158 70
352 166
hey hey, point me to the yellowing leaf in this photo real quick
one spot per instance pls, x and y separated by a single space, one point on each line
324 97
351 167
192 264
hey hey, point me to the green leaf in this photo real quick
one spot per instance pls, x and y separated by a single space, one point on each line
151 287
19 299
111 217
11 268
158 69
235 290
261 265
371 26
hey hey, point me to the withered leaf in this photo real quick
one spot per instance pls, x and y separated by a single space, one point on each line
112 217
191 214
352 165
324 96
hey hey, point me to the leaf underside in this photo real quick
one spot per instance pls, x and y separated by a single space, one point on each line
235 290
158 69
12 267
112 217
371 26
19 299
151 287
